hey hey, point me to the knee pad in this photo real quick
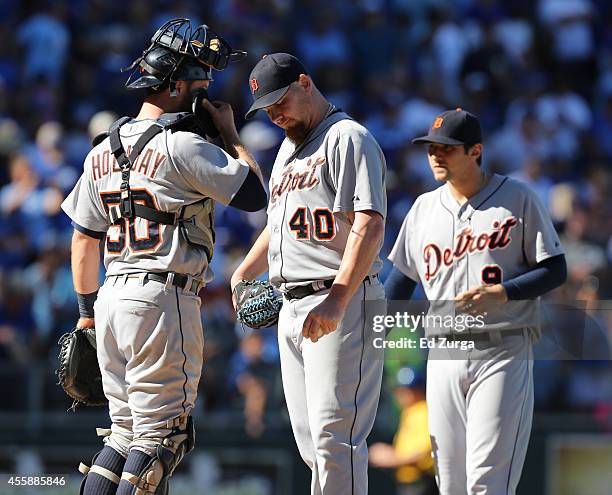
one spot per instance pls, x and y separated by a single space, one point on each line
153 477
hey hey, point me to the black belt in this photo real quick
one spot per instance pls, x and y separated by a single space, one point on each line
179 280
310 289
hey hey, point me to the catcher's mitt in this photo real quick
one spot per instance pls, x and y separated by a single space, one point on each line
79 372
258 303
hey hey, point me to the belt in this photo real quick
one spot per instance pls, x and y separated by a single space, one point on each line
307 290
179 280
482 336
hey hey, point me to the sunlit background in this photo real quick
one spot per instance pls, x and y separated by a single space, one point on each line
537 72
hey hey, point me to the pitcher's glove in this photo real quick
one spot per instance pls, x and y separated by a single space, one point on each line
79 372
258 303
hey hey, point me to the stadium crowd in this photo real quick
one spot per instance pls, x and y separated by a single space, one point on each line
538 73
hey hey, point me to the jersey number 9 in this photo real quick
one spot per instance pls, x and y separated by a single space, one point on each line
491 275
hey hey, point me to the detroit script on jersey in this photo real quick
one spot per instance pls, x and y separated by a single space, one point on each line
339 168
292 180
501 232
437 258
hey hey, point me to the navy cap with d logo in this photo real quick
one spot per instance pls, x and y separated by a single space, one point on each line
270 79
453 127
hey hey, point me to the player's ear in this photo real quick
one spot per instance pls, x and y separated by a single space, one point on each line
305 82
475 151
180 86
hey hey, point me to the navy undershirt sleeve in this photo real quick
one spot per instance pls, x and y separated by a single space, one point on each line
544 277
90 233
251 196
398 286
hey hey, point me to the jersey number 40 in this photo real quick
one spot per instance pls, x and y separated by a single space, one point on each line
138 241
324 224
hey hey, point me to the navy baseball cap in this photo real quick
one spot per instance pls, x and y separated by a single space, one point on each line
453 127
270 79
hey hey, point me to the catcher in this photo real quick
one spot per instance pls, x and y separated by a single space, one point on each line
148 190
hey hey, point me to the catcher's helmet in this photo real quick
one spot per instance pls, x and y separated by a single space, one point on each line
178 52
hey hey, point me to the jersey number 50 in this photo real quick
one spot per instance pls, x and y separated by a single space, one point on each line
324 224
138 242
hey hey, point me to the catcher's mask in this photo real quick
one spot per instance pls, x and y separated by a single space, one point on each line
179 52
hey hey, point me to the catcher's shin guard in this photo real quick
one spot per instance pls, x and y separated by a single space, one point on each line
149 475
103 477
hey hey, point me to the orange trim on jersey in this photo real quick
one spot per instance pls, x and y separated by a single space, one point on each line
159 228
120 226
304 224
318 227
129 224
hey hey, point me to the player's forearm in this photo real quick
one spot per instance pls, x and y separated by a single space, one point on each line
85 259
398 285
256 261
410 459
245 155
362 247
236 149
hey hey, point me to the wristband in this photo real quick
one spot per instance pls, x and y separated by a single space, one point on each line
86 304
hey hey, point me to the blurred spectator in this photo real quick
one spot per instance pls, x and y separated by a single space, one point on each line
100 122
372 44
603 126
511 147
54 303
323 41
516 34
531 173
539 73
570 26
47 157
450 44
386 125
253 377
45 39
583 256
410 455
220 342
28 206
564 115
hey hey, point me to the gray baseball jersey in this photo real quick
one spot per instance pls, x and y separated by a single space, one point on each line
340 168
149 333
331 386
174 170
498 234
481 405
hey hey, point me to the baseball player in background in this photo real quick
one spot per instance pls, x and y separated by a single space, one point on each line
486 242
147 191
325 227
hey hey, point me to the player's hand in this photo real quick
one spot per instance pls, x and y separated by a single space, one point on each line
382 455
86 323
233 282
322 319
481 300
223 117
